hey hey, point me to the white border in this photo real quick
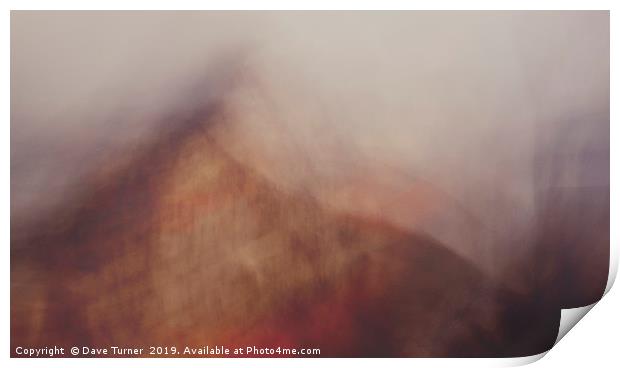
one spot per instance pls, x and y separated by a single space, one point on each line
312 5
607 335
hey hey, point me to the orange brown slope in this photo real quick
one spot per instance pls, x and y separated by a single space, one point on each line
182 245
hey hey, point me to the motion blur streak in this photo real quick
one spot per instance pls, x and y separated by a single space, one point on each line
366 183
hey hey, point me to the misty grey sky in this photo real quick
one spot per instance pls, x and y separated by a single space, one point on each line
463 100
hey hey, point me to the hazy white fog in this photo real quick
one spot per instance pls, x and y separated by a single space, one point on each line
465 101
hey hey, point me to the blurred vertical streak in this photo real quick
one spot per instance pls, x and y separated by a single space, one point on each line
571 252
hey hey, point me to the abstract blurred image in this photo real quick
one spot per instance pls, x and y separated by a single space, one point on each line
359 184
